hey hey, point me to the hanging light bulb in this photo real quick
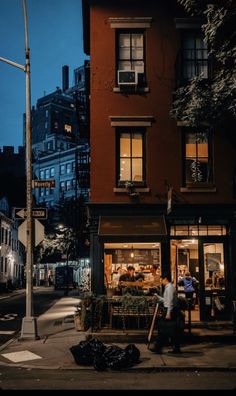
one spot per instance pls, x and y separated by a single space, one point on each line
132 253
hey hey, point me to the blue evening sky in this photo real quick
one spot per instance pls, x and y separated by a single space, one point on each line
55 40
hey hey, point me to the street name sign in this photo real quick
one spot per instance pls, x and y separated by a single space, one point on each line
49 183
37 213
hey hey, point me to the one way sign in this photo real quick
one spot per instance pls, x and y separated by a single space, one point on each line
37 213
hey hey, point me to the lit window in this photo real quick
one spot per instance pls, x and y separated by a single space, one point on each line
198 162
131 157
67 128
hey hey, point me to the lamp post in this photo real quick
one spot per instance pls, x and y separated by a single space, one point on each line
29 324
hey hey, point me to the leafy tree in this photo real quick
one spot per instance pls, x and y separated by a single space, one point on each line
64 231
212 101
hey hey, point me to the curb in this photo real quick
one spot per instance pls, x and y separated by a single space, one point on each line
163 368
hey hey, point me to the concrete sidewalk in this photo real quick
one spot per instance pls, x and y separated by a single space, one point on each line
204 349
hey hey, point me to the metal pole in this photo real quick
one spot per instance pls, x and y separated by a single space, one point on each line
29 328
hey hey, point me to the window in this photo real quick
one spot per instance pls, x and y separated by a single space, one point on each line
130 53
62 186
198 169
67 128
62 169
68 168
195 57
131 156
47 173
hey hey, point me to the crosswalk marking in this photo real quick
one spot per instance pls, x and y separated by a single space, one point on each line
6 332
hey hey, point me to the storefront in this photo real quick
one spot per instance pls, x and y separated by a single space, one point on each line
179 243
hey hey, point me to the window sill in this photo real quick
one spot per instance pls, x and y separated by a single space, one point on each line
198 189
138 189
129 90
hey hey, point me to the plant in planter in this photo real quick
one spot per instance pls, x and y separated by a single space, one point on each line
131 189
91 311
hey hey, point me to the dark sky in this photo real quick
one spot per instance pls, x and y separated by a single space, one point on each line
55 39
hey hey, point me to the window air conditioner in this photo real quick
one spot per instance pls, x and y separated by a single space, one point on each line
127 77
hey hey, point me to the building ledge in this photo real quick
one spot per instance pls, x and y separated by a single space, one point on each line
138 189
129 91
198 189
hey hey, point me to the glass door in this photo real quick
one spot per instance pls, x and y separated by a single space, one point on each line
185 271
212 275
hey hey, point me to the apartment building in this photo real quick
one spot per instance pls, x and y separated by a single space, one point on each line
161 191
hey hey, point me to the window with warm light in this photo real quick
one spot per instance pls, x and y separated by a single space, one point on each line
67 128
130 157
198 164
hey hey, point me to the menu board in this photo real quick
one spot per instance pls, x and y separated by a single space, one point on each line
140 256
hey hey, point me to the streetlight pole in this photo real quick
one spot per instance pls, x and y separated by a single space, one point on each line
29 324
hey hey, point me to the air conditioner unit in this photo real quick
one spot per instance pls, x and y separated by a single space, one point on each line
127 77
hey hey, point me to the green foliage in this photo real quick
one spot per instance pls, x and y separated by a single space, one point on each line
212 101
64 231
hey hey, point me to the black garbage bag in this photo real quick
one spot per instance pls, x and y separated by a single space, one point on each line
118 358
97 347
100 363
133 354
118 361
86 351
94 352
82 353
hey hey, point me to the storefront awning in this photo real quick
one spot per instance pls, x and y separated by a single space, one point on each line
135 225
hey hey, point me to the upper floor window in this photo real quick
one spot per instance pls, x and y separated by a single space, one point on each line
62 169
67 128
47 173
198 163
131 54
131 165
195 57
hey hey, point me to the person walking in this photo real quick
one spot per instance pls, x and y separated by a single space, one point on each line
167 325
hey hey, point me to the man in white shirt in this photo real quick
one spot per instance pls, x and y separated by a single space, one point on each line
167 325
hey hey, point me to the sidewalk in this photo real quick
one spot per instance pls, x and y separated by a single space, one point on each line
203 349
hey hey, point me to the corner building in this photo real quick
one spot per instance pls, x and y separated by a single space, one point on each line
161 191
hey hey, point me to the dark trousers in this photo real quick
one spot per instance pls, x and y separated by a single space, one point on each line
168 332
189 296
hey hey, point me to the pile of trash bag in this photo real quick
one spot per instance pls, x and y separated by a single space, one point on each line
95 353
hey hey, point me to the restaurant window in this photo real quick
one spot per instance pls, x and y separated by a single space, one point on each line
196 230
198 163
131 165
131 53
214 268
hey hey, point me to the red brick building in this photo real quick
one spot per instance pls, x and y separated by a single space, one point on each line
140 51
